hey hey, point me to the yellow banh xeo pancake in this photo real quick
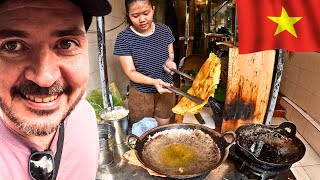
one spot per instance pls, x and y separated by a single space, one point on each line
203 86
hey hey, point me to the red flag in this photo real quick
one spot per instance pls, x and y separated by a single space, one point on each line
293 25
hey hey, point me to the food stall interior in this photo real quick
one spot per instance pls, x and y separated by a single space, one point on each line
201 27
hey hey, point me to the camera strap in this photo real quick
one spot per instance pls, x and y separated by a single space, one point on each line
57 157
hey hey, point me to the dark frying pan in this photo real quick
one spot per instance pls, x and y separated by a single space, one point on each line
182 150
275 146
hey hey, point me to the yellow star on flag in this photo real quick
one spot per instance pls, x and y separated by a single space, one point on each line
285 22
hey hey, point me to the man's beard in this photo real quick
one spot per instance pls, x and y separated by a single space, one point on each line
46 127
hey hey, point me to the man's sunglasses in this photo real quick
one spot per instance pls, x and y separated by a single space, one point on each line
41 165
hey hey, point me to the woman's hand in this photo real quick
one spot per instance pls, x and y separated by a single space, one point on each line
169 65
160 86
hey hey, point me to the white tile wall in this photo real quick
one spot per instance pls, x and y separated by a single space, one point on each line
306 125
287 107
93 57
315 85
283 84
289 88
298 120
301 81
312 135
302 97
290 73
304 78
94 82
314 107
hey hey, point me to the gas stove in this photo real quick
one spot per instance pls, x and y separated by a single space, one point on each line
252 169
236 167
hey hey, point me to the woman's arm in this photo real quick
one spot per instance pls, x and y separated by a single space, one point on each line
171 52
170 64
130 70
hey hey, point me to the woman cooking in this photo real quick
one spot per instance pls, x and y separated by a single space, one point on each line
145 51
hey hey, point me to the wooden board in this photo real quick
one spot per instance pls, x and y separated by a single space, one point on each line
248 88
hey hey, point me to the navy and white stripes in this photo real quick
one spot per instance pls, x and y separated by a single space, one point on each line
149 53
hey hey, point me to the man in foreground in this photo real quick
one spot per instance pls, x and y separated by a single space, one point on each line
43 74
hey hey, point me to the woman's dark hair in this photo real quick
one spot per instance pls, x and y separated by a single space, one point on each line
128 3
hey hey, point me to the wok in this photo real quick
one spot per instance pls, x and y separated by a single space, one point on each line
275 146
182 150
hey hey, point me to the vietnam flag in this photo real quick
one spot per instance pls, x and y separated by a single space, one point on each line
293 25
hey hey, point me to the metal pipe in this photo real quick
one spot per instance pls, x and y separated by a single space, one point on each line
276 87
186 33
235 38
103 62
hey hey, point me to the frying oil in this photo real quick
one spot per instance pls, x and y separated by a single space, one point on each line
177 155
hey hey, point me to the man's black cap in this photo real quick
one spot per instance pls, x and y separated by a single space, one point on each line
90 8
93 8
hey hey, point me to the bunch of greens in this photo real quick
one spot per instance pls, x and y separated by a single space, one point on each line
220 93
96 100
185 88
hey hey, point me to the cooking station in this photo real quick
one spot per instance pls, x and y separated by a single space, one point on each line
236 167
238 164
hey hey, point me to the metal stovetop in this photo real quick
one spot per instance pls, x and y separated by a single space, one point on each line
226 171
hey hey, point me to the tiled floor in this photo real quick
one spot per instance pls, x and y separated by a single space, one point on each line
308 168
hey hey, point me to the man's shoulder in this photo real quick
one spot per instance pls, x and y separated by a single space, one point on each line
82 112
82 106
82 119
81 144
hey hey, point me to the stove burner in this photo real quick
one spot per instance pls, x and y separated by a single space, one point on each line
252 169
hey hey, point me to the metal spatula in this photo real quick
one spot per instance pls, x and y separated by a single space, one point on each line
182 74
189 96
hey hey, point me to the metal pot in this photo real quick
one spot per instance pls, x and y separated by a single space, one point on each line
182 150
119 122
106 141
275 146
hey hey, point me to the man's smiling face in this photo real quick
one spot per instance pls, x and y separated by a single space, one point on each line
43 63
